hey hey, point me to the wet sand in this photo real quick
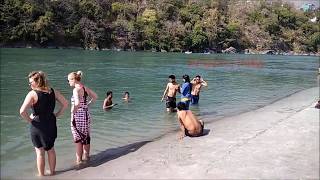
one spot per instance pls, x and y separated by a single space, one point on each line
278 141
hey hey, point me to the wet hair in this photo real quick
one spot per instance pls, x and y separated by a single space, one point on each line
181 106
39 77
172 76
109 92
186 78
198 76
126 93
76 75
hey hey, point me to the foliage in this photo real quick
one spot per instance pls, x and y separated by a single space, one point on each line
171 25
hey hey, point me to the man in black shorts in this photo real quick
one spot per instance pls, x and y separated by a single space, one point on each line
170 93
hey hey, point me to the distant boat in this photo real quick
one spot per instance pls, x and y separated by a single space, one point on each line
206 53
188 52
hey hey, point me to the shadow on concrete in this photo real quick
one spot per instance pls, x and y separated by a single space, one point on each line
106 155
205 132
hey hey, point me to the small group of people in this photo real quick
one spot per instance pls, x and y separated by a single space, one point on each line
43 129
42 100
108 104
190 93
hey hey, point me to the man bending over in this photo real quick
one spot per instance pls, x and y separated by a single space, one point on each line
189 124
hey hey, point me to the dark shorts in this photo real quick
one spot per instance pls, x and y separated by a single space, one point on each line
194 99
43 134
171 102
187 103
186 132
41 140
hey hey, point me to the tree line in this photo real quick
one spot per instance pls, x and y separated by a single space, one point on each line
160 25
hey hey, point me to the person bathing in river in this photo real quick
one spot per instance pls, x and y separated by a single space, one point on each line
107 103
126 96
197 83
186 90
170 93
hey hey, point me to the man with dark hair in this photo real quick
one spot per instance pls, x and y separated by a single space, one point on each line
170 93
189 124
107 103
197 83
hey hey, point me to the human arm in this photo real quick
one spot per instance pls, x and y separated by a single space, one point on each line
28 101
193 81
179 89
165 92
93 96
110 106
62 101
204 83
182 132
76 102
104 106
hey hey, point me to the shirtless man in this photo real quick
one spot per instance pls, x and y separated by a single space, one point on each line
197 83
107 103
170 93
189 124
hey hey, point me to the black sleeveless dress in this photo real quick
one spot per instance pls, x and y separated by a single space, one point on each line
43 127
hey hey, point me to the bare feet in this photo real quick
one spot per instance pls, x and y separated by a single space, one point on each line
40 175
78 162
50 173
86 157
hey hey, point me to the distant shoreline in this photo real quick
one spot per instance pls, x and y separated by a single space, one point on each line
252 52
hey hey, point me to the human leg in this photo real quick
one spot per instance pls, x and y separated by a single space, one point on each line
201 122
40 160
194 99
168 105
86 153
79 152
52 160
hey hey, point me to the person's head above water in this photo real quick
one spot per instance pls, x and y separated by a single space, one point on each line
126 95
172 78
109 93
198 78
186 78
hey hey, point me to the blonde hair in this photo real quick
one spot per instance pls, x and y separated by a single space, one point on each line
76 75
40 78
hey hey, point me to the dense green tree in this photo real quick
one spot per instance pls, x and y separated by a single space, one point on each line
171 25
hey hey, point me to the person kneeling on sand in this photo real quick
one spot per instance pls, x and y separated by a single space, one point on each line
189 124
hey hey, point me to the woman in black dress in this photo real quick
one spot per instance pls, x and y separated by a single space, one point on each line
43 129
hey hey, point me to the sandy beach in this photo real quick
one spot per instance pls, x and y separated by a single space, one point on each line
278 141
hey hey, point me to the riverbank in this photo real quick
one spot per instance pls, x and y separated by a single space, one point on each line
278 141
252 52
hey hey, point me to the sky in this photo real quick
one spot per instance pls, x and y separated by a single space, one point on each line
299 3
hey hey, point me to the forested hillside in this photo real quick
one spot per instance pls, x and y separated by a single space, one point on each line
170 25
